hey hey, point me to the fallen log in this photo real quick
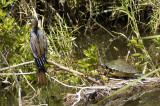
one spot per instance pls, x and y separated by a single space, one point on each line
93 96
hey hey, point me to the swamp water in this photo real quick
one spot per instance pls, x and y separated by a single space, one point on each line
148 99
110 49
52 95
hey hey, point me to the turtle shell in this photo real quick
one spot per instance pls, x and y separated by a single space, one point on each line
120 66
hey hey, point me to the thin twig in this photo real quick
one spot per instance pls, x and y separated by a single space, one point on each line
21 64
27 79
62 82
27 73
103 28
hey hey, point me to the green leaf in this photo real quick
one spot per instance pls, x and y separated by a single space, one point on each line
142 63
136 54
151 37
142 56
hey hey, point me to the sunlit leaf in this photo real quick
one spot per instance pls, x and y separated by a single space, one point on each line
151 37
136 54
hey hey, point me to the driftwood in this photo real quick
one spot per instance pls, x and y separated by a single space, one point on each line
92 96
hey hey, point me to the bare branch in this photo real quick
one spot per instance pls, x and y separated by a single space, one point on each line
21 64
27 80
60 66
28 73
74 72
66 68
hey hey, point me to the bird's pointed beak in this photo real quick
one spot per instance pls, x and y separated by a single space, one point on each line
21 20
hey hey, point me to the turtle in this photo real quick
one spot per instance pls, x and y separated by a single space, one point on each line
120 68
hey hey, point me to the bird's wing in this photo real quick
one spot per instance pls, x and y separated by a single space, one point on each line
43 43
45 46
34 45
36 50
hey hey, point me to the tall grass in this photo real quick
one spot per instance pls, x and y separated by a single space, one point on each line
131 9
61 40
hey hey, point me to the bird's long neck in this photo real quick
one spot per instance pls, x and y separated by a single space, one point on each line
35 28
34 24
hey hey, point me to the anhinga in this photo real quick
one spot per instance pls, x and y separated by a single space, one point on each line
38 45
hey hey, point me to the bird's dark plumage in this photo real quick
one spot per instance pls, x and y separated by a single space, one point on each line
38 45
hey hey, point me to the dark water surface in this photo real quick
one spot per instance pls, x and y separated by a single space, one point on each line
51 96
7 98
148 99
110 47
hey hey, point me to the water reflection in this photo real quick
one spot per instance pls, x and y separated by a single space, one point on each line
148 99
7 98
52 95
110 48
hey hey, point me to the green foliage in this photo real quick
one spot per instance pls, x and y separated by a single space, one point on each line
14 40
130 9
154 48
153 51
61 40
91 59
6 29
5 3
154 23
142 57
60 48
136 43
154 17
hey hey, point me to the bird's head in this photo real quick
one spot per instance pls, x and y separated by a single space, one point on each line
34 21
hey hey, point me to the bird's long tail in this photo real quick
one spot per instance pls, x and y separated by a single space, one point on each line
42 77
